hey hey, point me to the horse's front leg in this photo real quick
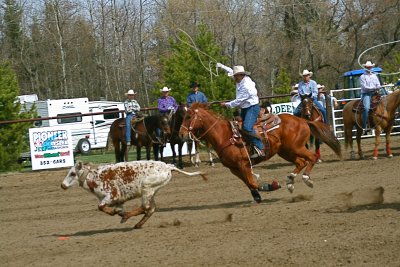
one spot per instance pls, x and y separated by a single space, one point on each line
148 152
318 150
377 141
124 151
180 163
388 131
358 138
246 176
138 152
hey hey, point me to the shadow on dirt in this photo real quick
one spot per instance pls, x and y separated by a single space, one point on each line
229 205
383 206
393 206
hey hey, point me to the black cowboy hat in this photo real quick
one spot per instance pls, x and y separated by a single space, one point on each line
194 84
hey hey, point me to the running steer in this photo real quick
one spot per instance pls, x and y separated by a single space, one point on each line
115 184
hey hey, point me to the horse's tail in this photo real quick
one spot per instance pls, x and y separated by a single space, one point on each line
323 132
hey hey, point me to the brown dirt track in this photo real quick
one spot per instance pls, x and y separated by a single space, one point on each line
342 221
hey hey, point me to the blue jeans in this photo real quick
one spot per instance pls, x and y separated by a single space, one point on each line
297 111
249 116
366 100
128 126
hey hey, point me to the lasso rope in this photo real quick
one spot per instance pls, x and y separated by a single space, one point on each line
383 74
198 52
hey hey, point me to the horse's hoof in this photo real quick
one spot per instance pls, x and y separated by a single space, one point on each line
390 156
290 187
319 161
307 180
123 219
352 155
374 158
256 195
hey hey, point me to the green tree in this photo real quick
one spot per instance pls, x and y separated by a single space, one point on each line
186 64
13 136
282 86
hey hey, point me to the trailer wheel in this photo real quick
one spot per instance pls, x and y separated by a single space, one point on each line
84 146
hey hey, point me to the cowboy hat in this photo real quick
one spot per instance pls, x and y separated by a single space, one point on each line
165 89
239 70
320 86
368 64
130 92
194 84
306 73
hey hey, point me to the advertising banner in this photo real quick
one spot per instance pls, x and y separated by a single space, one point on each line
51 147
284 108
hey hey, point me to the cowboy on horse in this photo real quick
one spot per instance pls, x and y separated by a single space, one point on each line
369 86
248 101
131 109
308 87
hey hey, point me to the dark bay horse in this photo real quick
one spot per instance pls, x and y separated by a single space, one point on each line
143 135
383 119
288 141
310 112
175 139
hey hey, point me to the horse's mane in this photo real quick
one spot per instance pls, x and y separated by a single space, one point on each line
199 105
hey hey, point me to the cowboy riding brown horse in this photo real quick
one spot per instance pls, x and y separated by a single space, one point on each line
287 138
310 112
143 135
382 118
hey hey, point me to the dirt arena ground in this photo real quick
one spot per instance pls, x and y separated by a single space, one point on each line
350 218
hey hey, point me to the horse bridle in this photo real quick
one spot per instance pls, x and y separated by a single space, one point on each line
192 136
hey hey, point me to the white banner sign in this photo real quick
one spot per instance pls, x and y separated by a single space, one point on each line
51 147
284 108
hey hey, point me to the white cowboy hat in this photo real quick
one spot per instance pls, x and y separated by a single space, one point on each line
306 72
368 64
239 70
130 92
294 92
165 89
320 86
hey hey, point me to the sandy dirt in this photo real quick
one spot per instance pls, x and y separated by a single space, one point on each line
350 218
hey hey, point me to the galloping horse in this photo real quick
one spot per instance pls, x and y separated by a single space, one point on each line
383 119
142 135
310 112
288 141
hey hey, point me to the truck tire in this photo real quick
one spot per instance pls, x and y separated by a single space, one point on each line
83 146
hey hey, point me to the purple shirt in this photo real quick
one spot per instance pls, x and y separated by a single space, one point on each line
165 104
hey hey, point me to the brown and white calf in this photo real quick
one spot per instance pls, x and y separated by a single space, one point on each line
115 184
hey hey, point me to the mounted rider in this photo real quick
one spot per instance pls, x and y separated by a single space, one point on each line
369 86
132 108
166 105
308 87
247 100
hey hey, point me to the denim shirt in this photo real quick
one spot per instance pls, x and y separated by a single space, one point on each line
308 88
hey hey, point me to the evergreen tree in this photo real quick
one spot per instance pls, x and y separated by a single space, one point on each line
282 86
186 65
14 137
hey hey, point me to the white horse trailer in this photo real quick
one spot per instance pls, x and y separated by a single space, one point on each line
88 132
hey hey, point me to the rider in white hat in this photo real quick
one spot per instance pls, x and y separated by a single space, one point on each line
247 100
309 87
369 85
131 109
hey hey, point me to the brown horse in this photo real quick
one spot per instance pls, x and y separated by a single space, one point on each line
143 135
288 141
175 139
383 119
309 111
